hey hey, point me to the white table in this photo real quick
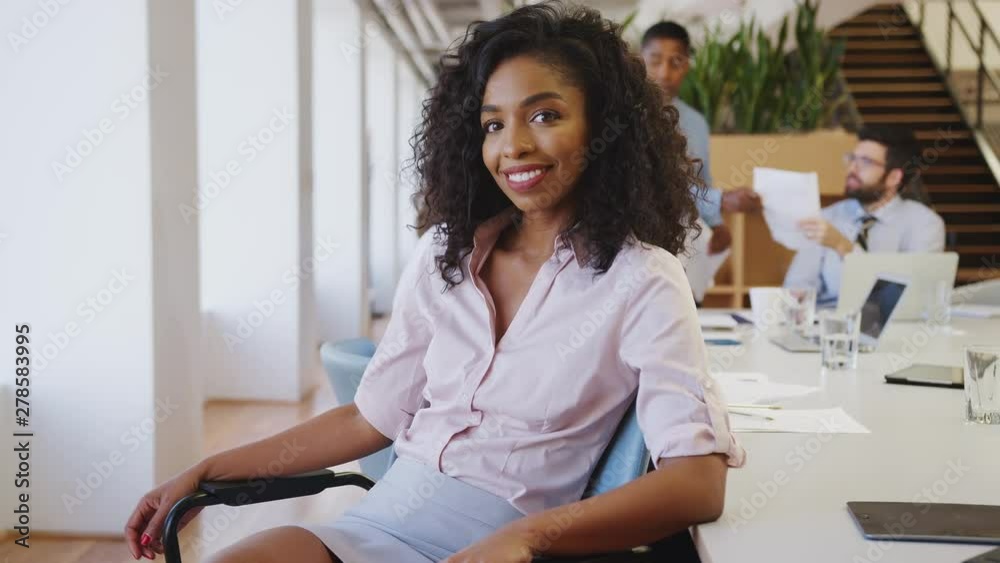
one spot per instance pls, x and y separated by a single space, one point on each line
788 503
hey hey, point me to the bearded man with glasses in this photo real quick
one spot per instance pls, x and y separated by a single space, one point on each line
879 214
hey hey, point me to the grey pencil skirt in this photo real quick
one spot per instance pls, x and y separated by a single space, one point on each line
415 514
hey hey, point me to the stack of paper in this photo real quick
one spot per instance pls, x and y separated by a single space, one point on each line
788 197
744 389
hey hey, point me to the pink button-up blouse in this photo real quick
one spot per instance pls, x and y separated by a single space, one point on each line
528 418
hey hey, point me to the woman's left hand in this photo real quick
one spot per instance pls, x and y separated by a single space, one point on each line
501 547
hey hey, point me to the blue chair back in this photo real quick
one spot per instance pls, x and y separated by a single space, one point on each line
345 363
624 460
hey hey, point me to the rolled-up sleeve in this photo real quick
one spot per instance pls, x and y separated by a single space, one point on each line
391 389
680 410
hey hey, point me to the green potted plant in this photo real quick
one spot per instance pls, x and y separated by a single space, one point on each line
747 83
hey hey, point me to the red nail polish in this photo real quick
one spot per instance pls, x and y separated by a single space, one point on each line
145 540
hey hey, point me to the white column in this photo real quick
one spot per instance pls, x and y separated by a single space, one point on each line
381 123
409 102
254 198
97 147
340 209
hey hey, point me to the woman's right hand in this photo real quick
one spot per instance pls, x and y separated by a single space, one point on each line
142 533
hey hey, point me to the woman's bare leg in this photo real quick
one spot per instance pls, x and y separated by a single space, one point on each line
276 545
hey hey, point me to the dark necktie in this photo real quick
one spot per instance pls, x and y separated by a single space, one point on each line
866 224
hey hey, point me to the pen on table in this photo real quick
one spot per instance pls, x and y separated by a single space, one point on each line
769 407
752 415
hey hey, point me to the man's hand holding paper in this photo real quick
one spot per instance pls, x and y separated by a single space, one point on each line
788 197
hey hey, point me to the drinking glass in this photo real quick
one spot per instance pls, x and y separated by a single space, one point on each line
767 306
800 308
982 379
938 309
839 332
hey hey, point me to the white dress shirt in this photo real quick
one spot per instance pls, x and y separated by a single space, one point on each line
902 225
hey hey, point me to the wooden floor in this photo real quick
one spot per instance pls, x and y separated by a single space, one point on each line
227 424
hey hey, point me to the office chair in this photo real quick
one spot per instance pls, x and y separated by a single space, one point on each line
345 363
625 459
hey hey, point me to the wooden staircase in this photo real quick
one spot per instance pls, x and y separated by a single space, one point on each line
892 79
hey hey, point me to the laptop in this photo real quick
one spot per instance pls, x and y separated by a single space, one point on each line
878 309
923 271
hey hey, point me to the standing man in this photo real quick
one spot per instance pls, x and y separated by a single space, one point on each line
666 48
877 215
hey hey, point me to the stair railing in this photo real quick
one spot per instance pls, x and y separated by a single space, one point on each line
977 40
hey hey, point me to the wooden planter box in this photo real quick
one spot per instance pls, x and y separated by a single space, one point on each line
756 259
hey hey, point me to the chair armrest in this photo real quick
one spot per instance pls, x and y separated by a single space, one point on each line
238 493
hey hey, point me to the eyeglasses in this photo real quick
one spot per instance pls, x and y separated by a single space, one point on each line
863 161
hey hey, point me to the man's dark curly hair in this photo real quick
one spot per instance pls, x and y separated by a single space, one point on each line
636 183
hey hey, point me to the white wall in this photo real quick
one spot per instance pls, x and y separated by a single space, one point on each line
254 198
408 106
935 31
382 126
91 257
340 209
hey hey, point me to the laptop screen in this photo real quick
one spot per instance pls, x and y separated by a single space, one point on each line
882 299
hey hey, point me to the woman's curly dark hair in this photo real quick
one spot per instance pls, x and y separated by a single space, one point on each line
637 183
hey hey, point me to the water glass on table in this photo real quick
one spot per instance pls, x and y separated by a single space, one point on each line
800 308
982 384
839 333
767 307
938 310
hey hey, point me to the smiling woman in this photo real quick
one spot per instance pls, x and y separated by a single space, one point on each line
558 189
567 124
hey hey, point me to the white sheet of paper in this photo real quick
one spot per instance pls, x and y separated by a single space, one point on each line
701 266
976 311
752 388
808 421
788 197
710 320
